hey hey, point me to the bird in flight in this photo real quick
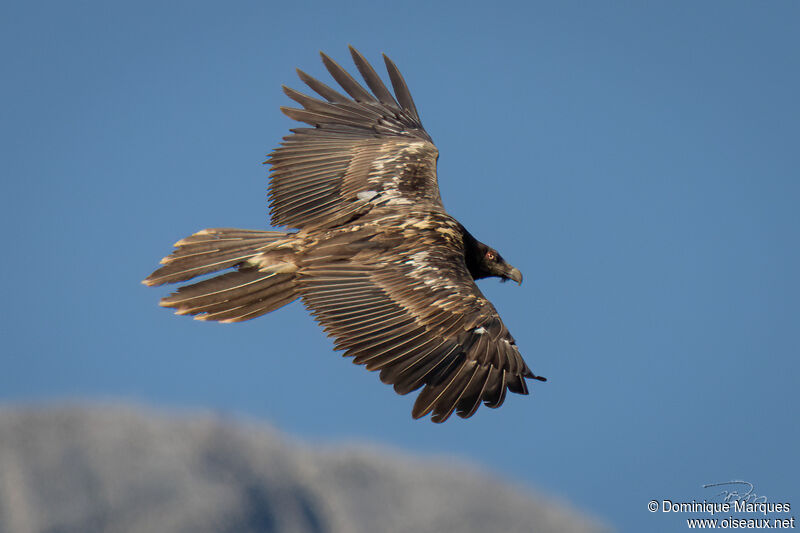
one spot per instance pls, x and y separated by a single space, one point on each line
372 252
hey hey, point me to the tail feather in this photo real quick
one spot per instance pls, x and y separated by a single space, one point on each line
234 296
262 282
211 250
254 309
228 287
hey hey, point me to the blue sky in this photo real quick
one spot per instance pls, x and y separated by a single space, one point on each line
638 161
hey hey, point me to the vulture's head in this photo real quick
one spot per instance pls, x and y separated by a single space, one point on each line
484 261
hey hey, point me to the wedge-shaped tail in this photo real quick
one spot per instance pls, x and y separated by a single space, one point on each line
263 281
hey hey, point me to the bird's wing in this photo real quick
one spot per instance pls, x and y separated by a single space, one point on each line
366 150
409 308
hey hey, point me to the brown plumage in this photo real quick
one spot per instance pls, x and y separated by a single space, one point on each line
375 257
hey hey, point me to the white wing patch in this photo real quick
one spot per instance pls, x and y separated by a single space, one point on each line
428 274
366 196
418 260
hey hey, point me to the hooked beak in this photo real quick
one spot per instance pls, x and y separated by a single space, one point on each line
515 274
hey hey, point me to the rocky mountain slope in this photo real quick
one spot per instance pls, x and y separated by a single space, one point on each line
123 469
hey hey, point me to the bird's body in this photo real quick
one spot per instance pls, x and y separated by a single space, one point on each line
375 257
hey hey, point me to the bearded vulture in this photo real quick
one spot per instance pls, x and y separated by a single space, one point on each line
371 252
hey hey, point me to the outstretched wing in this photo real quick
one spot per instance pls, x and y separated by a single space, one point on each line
366 150
409 308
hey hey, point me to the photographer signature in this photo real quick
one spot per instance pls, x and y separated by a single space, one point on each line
734 495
